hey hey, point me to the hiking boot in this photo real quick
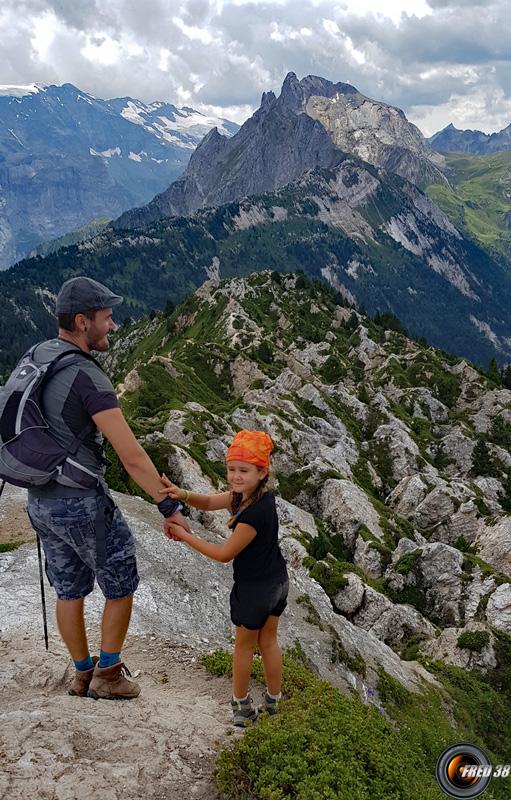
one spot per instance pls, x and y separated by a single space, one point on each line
80 683
111 683
270 705
244 712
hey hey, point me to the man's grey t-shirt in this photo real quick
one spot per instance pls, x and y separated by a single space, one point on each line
70 399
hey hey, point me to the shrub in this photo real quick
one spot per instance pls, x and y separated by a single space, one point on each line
474 640
408 561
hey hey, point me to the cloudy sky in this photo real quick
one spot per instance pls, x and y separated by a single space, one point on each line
440 60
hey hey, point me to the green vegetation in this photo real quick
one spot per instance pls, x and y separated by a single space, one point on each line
312 615
474 640
6 547
477 199
408 561
323 744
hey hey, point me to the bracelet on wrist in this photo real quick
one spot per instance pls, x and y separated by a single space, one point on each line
186 497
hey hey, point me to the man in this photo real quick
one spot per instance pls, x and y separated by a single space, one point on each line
83 533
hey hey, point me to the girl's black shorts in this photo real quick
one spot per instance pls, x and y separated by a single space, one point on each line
252 602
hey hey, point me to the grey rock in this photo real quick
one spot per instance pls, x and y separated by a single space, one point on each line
346 507
407 495
445 648
368 558
494 545
349 599
171 601
498 610
401 448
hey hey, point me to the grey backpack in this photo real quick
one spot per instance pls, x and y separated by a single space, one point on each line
29 454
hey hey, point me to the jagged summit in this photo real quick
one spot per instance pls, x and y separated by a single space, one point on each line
454 140
312 123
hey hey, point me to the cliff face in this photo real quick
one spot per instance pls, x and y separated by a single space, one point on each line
309 125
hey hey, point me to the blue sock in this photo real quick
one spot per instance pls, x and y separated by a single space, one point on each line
108 659
86 663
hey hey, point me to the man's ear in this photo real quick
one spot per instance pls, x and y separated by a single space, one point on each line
81 323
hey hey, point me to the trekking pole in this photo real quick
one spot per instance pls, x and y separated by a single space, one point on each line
41 581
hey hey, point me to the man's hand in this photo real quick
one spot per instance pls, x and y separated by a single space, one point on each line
178 519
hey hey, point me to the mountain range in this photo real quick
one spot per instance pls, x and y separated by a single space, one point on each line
453 140
357 224
68 158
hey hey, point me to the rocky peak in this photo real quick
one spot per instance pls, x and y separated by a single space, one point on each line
312 123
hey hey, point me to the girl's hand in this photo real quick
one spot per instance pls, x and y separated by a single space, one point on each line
171 489
174 531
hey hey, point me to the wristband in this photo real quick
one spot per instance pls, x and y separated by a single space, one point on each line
168 506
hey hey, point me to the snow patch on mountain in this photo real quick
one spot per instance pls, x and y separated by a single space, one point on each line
113 151
22 91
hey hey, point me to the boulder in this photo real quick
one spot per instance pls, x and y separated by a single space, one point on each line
479 586
457 449
345 506
494 543
436 575
426 406
498 610
437 507
173 429
407 495
244 373
368 558
445 648
350 598
391 623
441 568
401 448
492 491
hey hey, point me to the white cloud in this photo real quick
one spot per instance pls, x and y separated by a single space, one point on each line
440 60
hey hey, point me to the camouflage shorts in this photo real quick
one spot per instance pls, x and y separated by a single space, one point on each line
76 553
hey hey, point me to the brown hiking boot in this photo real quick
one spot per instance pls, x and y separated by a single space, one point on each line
111 683
81 681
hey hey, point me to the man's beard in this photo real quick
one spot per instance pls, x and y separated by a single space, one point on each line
98 343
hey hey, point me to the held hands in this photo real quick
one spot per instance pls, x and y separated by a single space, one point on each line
176 525
174 531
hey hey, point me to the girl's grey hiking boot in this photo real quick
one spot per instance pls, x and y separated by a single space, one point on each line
270 705
112 683
244 712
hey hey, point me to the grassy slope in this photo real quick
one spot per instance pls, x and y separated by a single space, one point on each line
479 198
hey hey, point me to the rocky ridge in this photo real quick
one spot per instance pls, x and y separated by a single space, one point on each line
393 456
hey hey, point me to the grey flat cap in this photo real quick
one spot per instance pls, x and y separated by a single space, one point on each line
84 294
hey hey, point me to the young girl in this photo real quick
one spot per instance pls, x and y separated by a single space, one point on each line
259 594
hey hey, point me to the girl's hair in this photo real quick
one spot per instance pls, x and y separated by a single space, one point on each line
238 505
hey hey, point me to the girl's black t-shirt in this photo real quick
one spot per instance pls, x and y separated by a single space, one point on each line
262 558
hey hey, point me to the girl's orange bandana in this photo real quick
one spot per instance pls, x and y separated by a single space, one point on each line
254 447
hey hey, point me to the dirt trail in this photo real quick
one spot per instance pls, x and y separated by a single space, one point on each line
161 746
